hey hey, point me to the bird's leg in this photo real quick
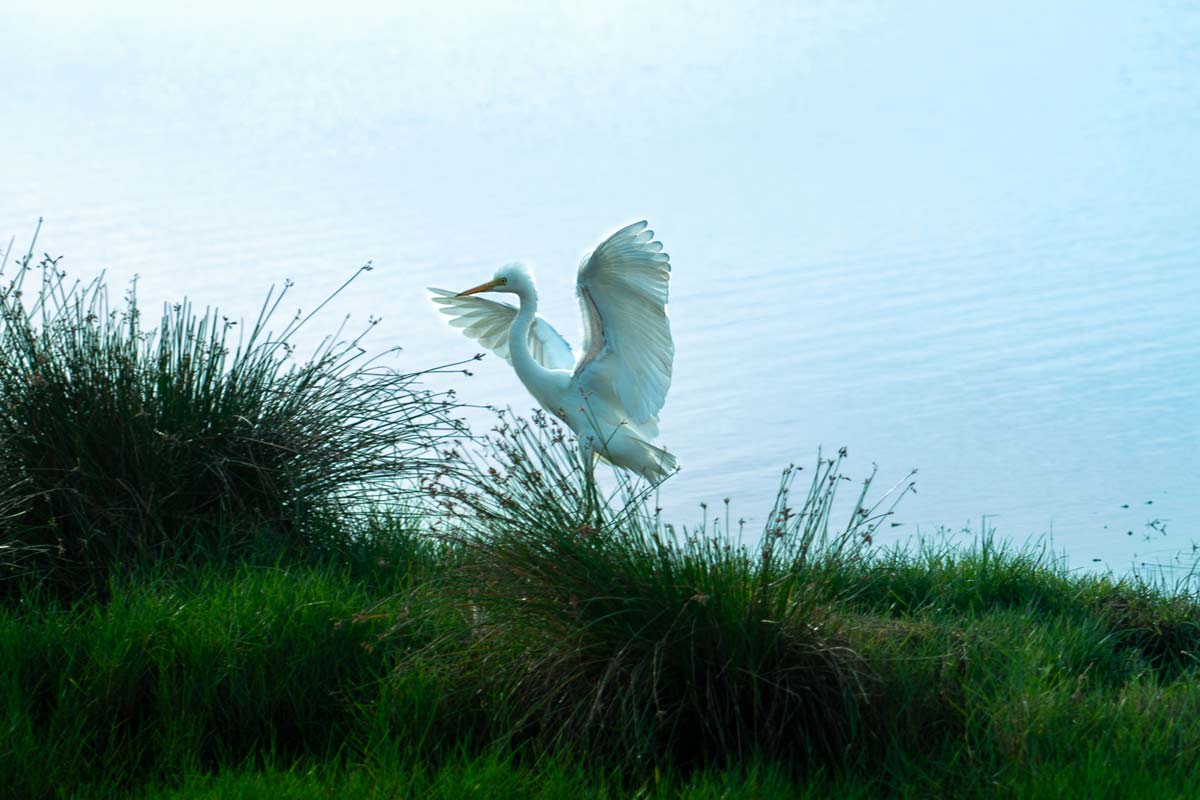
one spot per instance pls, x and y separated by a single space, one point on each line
587 458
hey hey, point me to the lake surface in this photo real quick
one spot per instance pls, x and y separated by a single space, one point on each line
961 239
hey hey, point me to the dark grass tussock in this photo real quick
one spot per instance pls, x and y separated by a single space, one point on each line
123 444
601 631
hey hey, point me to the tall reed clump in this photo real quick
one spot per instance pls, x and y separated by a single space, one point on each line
121 443
605 632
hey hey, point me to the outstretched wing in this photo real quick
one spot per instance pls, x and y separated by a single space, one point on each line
627 346
488 322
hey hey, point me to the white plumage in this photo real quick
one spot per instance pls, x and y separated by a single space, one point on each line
489 322
611 395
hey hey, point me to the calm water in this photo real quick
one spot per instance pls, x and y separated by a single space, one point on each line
966 241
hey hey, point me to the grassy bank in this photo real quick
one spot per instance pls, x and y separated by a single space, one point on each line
213 583
975 674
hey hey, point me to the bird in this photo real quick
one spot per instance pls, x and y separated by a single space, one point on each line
611 395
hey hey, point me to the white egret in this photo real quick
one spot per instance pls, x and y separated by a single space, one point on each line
611 395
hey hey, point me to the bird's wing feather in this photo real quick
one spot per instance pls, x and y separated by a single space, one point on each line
627 350
488 322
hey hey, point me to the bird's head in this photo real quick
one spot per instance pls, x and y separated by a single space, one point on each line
512 278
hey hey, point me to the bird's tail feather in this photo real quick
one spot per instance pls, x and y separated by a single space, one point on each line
658 464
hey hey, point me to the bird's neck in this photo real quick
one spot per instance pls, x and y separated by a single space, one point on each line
531 373
518 335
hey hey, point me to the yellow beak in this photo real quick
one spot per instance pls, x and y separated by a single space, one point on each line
483 287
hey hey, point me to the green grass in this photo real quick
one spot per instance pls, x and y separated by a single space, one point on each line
188 675
378 670
234 680
493 776
506 632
